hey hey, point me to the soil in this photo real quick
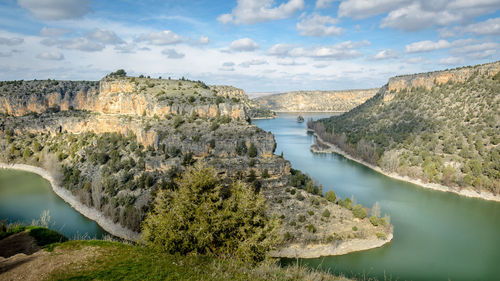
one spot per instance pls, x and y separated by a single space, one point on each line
21 259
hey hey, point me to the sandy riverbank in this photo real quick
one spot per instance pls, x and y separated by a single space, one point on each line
468 192
323 250
91 213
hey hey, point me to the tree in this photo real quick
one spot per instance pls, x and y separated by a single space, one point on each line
252 150
118 73
330 196
202 217
359 212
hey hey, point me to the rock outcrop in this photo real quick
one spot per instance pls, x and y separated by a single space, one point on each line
316 101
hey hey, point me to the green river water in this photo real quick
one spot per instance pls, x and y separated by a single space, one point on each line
24 196
437 235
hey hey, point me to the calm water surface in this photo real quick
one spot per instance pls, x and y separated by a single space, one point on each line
437 235
24 196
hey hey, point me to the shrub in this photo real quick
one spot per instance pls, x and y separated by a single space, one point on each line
381 235
311 228
310 212
300 197
302 218
355 228
326 213
293 191
265 174
359 212
252 150
330 196
201 217
374 220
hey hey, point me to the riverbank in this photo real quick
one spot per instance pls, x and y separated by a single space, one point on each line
467 192
91 213
324 250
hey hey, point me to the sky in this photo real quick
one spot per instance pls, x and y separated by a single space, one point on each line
256 45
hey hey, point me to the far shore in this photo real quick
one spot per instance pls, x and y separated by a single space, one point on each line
91 213
467 192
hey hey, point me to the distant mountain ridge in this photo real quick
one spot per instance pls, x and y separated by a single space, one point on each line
316 101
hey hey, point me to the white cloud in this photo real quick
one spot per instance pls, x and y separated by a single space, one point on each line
426 46
247 64
340 51
126 48
56 9
160 38
173 54
360 9
476 51
488 27
280 50
11 41
451 61
414 60
322 4
288 62
52 32
227 66
318 26
79 43
321 65
243 45
50 56
385 54
203 40
104 36
411 15
254 11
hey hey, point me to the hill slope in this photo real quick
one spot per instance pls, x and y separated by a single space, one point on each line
439 127
314 101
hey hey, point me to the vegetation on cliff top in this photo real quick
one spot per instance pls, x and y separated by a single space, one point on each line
447 134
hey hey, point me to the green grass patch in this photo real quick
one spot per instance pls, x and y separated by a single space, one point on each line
45 236
119 261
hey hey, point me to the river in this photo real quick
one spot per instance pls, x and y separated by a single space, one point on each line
437 235
24 196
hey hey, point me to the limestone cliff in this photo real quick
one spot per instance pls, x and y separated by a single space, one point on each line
432 79
316 101
127 95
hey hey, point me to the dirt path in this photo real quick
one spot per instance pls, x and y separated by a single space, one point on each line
33 263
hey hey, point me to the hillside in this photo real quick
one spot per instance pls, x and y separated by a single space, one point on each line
316 101
115 144
439 127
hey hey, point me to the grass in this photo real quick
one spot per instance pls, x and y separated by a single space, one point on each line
118 261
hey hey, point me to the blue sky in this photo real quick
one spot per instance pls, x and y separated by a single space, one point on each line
257 45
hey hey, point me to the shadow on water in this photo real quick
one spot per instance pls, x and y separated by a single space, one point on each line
437 235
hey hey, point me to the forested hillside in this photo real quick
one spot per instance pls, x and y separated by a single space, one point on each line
440 127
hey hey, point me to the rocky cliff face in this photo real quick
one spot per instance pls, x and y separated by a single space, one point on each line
128 96
314 101
432 79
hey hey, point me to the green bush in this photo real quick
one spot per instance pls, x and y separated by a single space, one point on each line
330 196
326 213
374 220
44 236
311 228
359 212
302 218
201 216
252 151
355 228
